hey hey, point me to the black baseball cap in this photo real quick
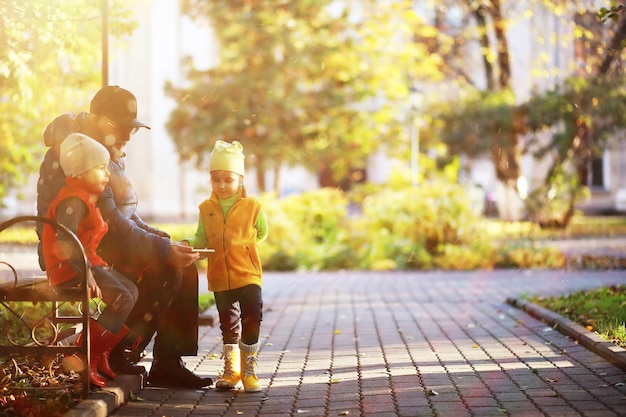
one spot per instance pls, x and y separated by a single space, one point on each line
118 105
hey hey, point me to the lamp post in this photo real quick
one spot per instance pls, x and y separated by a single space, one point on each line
105 42
415 97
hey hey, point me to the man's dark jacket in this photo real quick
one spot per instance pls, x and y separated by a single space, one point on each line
130 243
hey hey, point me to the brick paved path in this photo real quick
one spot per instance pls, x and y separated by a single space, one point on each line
407 344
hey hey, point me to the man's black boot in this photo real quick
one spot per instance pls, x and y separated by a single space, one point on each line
171 373
122 365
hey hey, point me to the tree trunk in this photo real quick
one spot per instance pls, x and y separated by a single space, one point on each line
481 21
504 61
615 48
506 157
583 150
260 174
277 178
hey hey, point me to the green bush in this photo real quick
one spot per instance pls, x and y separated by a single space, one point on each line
307 231
280 251
529 255
553 203
28 315
462 257
379 227
412 227
433 226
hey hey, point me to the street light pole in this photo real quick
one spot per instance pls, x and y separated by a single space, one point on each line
416 102
105 42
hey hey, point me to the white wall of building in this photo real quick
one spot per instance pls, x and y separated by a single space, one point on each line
143 63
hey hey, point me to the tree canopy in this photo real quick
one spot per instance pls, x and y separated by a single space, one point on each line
50 56
302 82
582 109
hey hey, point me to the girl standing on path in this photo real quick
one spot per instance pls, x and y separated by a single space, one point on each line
232 224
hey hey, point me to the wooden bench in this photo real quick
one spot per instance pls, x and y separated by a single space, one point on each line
46 329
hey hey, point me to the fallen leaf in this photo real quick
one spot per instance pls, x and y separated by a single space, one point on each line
432 392
344 413
134 397
337 331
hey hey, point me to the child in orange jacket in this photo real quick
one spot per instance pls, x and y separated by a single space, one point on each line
84 162
232 223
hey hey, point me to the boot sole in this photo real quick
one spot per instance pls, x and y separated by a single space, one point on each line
226 387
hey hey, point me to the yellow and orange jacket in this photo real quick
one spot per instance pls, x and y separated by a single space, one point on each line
235 262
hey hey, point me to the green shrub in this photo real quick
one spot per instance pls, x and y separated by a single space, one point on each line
552 204
431 226
307 231
529 255
461 257
412 227
33 315
280 251
205 300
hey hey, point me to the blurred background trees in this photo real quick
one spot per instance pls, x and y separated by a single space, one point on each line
309 83
50 55
325 84
581 113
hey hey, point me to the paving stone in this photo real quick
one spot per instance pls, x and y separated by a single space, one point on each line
407 344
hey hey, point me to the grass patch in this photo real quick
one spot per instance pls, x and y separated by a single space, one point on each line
19 236
602 310
205 301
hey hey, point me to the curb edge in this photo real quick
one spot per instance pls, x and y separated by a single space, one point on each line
609 351
104 401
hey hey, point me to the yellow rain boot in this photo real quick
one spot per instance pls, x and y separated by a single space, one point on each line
231 376
248 367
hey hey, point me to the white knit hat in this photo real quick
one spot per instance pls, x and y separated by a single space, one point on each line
80 153
227 157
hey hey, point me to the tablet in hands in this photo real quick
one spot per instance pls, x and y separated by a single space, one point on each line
203 251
